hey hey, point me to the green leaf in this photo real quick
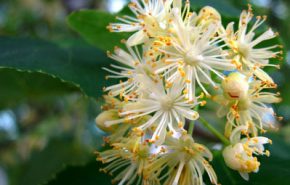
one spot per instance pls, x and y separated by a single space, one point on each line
17 86
42 166
225 7
82 175
273 170
78 64
91 25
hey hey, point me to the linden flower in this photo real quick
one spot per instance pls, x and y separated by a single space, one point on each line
110 112
129 158
151 20
117 132
244 44
133 70
194 54
245 103
168 107
239 155
203 19
206 15
184 162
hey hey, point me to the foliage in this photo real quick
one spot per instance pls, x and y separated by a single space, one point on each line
91 25
77 64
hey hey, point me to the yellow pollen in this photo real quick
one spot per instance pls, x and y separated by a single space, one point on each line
267 153
203 103
188 81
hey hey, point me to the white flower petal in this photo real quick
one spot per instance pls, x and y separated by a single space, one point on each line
137 38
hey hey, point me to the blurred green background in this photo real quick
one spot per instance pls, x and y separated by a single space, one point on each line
47 129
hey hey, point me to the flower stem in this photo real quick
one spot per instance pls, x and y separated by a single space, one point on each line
191 123
214 131
191 127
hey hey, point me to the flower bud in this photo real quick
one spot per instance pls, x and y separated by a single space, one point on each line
108 115
235 86
228 129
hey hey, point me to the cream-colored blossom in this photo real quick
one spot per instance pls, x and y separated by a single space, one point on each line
150 20
134 66
168 106
246 104
241 154
184 162
185 53
194 52
110 112
247 55
128 158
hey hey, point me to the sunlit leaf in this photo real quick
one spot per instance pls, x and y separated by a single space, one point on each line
19 86
224 6
42 166
78 64
91 25
80 175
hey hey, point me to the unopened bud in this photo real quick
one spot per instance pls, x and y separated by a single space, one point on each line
228 129
235 86
106 116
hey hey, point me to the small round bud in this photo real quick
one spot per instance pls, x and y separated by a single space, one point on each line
235 86
106 116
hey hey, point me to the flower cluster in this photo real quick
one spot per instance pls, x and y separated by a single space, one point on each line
174 61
